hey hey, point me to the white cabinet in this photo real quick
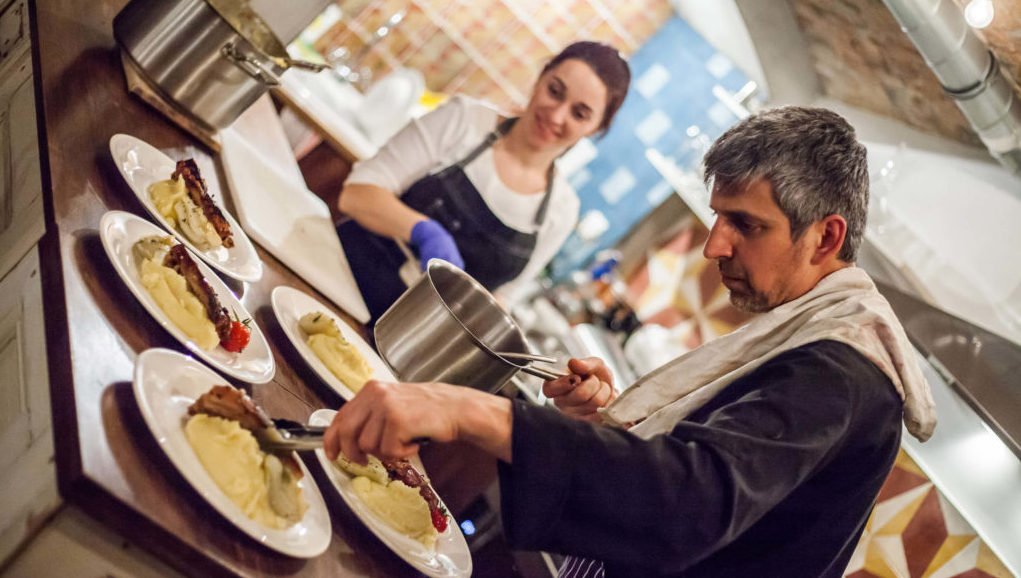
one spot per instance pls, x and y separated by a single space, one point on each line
21 202
27 473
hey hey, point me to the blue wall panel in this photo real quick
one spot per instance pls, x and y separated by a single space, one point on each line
691 67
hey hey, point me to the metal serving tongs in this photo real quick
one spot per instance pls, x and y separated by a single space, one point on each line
288 435
540 372
291 435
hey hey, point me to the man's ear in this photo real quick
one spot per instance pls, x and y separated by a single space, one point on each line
832 230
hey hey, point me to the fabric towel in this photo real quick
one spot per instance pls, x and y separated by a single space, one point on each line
844 306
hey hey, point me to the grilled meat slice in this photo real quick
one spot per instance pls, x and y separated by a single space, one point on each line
196 186
231 403
179 260
402 470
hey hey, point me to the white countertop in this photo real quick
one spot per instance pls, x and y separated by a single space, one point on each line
329 105
279 213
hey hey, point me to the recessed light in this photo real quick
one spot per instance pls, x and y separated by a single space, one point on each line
979 13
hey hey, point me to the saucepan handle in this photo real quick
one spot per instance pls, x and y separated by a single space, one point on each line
410 271
544 374
250 65
305 65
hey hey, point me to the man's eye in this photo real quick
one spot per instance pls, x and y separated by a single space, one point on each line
743 226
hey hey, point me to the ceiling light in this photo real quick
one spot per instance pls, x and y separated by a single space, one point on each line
979 13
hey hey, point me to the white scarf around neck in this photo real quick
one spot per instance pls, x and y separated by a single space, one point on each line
844 306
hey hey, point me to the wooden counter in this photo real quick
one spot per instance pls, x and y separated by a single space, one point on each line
108 462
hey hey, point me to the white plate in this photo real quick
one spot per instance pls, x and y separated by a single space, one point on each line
141 165
165 384
451 558
290 305
119 231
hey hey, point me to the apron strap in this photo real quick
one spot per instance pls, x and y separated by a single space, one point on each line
540 215
501 130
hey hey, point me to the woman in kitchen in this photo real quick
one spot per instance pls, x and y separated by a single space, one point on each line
477 189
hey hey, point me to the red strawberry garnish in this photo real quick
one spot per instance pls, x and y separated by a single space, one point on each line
239 336
439 520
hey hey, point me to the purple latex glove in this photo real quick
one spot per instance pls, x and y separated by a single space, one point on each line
434 242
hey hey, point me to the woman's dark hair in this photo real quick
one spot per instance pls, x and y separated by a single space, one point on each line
609 66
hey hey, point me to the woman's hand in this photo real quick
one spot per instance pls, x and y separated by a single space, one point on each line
435 242
389 420
581 394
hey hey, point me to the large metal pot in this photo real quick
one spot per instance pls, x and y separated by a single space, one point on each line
213 58
447 327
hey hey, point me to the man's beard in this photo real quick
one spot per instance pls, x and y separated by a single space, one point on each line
753 302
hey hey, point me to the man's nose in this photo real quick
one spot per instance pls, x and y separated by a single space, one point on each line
717 246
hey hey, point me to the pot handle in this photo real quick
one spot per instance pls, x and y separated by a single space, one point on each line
250 65
410 271
542 373
303 64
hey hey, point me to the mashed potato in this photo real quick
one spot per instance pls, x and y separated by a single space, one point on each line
400 506
166 194
338 354
172 201
233 459
374 469
170 290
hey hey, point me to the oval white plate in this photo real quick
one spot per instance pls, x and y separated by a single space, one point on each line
451 558
289 305
119 231
165 384
141 165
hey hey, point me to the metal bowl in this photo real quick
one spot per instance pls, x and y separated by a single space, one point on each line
447 327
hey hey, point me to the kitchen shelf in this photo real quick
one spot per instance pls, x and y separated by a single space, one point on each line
686 184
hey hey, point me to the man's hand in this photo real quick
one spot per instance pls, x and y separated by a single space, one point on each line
388 420
588 388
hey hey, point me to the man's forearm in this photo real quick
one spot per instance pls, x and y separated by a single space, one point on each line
487 421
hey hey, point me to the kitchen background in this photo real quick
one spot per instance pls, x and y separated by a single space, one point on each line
490 49
691 82
631 284
697 69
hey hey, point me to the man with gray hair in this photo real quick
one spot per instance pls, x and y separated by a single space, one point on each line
760 453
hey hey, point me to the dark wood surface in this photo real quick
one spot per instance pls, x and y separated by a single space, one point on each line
108 463
325 172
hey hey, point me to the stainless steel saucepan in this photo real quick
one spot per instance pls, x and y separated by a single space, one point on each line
448 327
213 58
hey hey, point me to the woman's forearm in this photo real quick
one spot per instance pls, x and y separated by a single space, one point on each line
379 210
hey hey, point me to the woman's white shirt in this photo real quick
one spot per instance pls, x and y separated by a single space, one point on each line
445 136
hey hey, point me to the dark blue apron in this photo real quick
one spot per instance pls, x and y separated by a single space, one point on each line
493 252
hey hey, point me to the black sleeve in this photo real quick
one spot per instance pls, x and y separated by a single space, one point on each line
603 493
